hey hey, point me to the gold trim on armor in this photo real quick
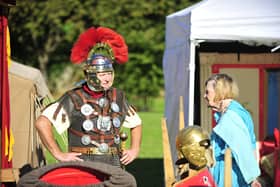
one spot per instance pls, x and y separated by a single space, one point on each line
93 150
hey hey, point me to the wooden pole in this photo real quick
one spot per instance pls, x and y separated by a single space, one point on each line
167 158
228 166
181 114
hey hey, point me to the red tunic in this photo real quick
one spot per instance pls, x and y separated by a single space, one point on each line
202 179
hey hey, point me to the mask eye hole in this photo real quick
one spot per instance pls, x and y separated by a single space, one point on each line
205 143
91 75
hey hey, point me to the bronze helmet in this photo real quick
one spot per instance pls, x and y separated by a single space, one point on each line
193 144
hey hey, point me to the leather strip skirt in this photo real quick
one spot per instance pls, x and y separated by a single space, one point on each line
78 174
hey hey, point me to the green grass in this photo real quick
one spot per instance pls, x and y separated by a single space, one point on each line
151 131
151 135
148 168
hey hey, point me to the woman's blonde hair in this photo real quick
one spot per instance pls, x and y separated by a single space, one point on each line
225 87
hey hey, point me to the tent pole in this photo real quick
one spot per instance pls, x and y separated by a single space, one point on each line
181 113
191 82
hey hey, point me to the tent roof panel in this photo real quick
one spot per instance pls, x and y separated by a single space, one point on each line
33 74
254 22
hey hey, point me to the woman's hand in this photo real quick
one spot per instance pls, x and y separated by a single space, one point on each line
256 183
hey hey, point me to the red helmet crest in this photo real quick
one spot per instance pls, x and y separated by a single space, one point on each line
102 41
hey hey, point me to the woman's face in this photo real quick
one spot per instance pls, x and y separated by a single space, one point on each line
106 79
210 95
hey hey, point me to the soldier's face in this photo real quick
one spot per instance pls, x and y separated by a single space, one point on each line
106 79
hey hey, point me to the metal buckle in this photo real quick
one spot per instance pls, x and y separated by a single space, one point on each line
90 150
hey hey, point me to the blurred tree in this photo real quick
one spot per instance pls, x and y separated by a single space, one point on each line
43 32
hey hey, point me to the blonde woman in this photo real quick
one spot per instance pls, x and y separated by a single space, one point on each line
234 129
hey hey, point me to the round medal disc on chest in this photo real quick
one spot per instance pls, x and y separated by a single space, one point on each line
88 125
86 109
85 139
115 107
117 139
104 123
102 102
103 148
116 122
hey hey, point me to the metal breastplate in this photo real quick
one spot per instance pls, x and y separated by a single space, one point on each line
95 122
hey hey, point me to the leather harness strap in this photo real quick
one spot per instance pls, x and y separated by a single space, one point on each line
80 134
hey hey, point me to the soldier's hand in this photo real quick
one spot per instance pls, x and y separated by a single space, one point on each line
67 157
128 156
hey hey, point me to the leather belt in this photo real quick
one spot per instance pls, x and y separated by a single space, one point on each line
94 150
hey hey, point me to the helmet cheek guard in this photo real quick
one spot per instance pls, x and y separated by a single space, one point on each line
92 81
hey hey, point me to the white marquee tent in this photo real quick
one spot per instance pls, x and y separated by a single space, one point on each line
253 22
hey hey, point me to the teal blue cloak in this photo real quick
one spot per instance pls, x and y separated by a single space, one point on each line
235 129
